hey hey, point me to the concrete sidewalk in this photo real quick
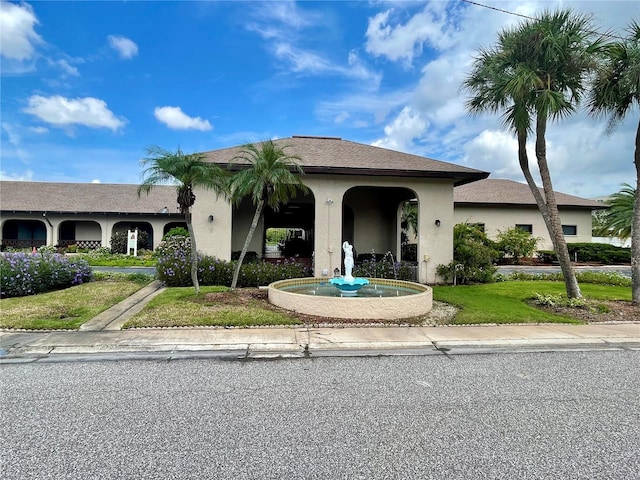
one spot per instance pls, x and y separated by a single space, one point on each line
309 341
102 337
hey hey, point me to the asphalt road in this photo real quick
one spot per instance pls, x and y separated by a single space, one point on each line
566 415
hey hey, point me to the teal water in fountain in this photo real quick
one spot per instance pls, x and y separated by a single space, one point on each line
373 290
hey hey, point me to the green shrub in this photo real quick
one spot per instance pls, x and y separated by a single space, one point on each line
249 257
176 232
383 266
515 244
27 274
547 256
120 240
599 278
548 300
590 252
599 252
174 268
474 255
47 249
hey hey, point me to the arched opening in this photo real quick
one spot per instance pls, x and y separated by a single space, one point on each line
172 225
141 226
23 234
373 220
286 233
83 234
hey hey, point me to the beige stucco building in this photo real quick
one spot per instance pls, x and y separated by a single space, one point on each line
497 204
356 194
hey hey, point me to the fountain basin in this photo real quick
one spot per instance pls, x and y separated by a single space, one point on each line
349 287
311 296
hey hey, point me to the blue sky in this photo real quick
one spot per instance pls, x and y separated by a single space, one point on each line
87 86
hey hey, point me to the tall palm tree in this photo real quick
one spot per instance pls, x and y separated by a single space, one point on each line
615 92
617 220
536 72
272 178
185 171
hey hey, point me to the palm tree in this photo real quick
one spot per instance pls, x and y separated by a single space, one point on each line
185 171
617 220
616 90
537 72
269 179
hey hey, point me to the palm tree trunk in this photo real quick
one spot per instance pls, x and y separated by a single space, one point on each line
194 252
554 225
635 229
247 242
523 158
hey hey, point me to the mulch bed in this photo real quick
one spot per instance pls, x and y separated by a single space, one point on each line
599 311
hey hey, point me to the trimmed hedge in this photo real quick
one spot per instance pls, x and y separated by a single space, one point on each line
28 274
591 252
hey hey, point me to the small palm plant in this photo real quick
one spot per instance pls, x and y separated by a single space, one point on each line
272 178
185 171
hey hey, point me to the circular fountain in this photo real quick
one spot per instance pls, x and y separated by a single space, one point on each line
352 298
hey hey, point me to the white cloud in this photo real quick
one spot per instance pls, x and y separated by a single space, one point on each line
495 151
63 112
17 35
176 119
341 117
403 42
125 47
399 135
300 60
16 177
95 180
66 67
440 39
39 130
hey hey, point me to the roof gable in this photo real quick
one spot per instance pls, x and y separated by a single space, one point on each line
333 155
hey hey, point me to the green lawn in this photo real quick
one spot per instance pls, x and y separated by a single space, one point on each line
68 308
179 307
505 302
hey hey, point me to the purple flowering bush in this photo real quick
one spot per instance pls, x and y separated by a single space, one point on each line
24 274
174 268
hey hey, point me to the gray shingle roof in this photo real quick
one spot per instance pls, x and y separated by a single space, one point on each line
332 155
507 192
85 198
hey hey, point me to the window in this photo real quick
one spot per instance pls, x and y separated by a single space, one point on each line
570 230
525 227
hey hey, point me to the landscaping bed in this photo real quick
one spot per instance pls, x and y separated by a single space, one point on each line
599 311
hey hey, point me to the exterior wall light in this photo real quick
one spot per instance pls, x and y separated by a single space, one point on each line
210 218
437 222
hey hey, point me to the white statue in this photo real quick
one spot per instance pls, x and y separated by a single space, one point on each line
348 261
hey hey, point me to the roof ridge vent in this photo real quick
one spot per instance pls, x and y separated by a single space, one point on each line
319 137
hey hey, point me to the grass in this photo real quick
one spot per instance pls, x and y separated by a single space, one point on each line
179 307
68 308
505 302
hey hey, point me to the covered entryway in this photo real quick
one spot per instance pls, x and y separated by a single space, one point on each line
141 226
372 220
23 234
286 233
83 234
